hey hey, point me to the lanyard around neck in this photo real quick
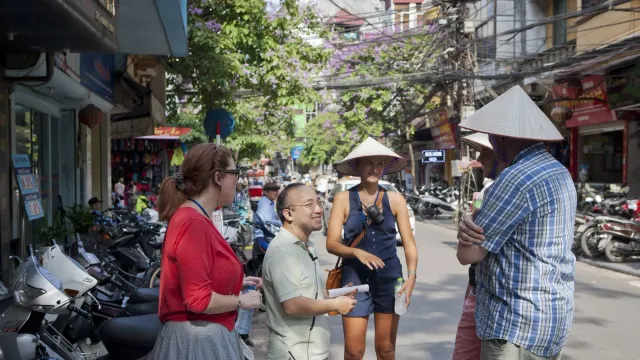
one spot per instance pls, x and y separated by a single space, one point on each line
201 208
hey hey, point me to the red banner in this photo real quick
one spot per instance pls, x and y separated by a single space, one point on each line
589 106
444 136
172 131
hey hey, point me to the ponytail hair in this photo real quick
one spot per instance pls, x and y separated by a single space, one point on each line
196 174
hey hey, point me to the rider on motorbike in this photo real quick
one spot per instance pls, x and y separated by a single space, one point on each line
266 212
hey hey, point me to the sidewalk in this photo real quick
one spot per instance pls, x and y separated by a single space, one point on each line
629 268
259 335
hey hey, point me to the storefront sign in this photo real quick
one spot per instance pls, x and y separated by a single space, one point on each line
296 152
433 156
171 131
588 103
623 86
28 185
97 74
438 117
444 136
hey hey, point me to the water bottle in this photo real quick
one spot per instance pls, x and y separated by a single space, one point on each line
401 300
245 317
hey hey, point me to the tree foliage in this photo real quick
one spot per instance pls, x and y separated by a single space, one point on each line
385 110
251 61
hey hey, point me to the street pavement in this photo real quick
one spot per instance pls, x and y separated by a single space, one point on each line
605 323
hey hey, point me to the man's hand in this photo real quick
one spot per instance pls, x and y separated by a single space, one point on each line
344 304
468 232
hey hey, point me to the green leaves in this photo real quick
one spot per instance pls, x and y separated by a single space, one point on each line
239 46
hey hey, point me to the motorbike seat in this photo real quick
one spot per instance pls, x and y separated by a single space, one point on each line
156 245
139 309
144 295
130 337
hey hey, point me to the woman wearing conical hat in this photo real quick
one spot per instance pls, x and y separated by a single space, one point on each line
368 215
468 345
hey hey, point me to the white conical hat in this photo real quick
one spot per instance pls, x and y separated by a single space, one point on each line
513 114
478 141
369 148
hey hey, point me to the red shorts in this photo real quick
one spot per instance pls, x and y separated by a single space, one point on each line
468 344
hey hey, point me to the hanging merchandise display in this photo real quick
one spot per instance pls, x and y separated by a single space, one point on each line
138 161
143 163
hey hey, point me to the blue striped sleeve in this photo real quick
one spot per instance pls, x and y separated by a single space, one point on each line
503 209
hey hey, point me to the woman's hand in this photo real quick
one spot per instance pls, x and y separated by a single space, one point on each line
252 281
371 261
250 300
407 288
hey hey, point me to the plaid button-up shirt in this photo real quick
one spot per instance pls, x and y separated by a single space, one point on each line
525 283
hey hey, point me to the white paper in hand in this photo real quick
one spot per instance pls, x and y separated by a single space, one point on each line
347 290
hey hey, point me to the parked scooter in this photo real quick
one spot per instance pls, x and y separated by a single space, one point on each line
24 332
622 239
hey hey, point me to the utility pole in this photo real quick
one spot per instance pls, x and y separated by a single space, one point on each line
459 58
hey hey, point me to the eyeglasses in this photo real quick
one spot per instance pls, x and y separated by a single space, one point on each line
311 205
232 171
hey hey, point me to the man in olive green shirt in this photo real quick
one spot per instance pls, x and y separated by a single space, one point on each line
297 303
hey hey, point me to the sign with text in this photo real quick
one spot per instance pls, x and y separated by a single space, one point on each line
589 104
433 156
172 131
28 185
444 136
296 152
623 86
97 73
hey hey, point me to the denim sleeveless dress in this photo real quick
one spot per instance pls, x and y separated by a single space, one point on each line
379 240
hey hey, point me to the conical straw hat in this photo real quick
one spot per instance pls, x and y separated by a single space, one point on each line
369 148
513 114
478 141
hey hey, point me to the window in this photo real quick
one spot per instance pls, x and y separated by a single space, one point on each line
588 4
486 45
310 113
560 26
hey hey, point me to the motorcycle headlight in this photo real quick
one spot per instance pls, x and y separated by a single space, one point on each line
24 294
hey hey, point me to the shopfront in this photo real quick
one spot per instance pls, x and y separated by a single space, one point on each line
623 92
44 126
144 161
598 149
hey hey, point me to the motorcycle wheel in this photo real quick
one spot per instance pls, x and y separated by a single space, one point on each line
154 280
588 244
612 254
425 213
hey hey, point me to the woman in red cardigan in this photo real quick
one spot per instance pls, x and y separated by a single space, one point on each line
201 277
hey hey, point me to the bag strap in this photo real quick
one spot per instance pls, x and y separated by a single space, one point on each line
359 238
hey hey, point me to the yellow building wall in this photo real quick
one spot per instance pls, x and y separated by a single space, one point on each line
572 5
608 27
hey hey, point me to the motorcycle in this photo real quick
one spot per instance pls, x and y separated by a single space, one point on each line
431 207
622 239
25 334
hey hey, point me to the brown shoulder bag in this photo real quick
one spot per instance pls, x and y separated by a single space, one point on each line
335 275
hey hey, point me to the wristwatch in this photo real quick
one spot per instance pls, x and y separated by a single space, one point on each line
411 272
239 302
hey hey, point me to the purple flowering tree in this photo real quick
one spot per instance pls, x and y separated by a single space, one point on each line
251 59
375 111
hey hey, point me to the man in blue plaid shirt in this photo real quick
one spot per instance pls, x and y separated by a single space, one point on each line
521 238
